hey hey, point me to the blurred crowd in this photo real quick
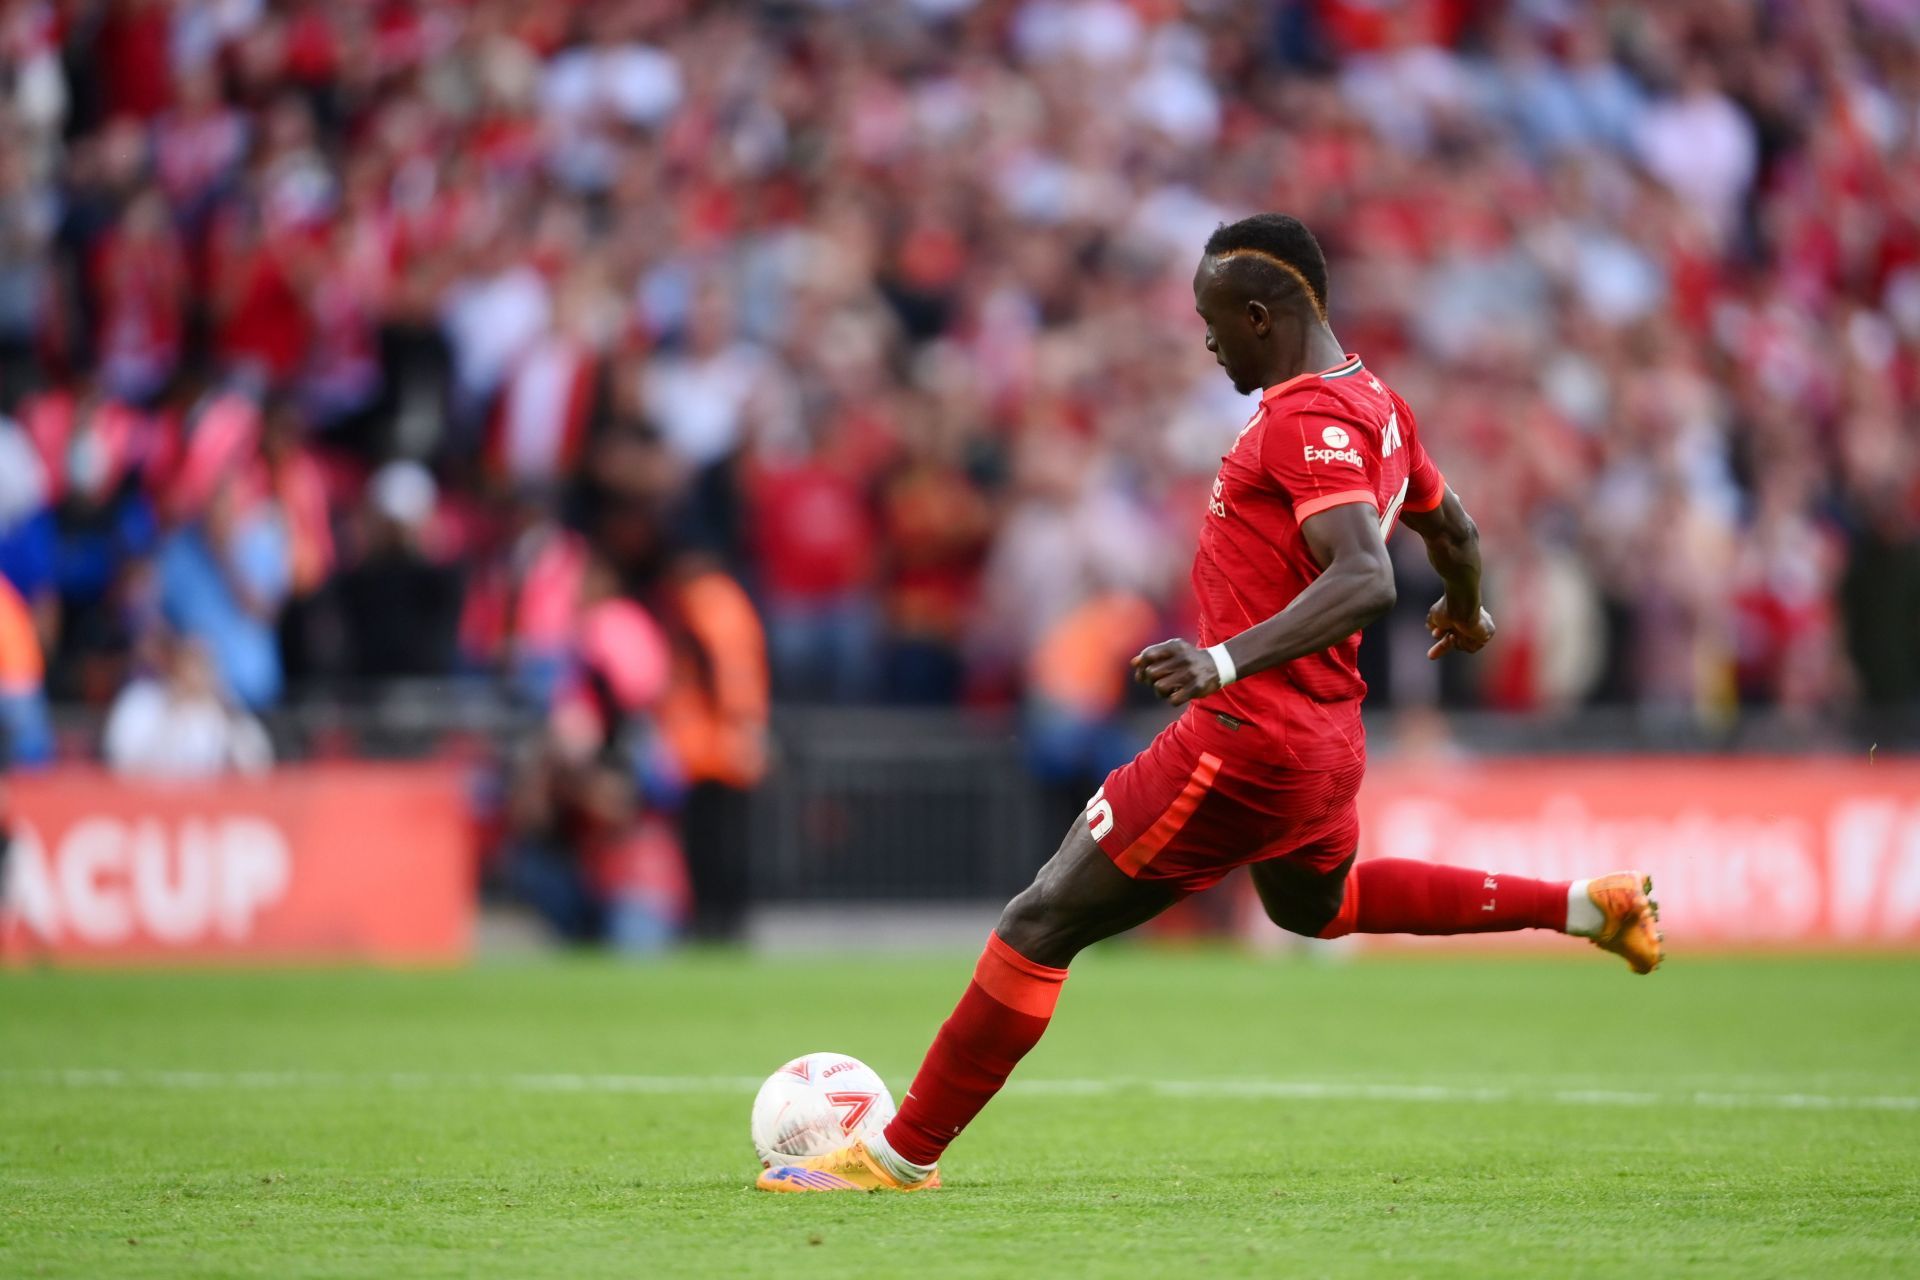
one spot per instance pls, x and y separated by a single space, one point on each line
639 354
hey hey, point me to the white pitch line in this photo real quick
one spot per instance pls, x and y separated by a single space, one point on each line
1276 1090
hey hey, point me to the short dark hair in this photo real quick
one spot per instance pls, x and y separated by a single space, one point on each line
1281 240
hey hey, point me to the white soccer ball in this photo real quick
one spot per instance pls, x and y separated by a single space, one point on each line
816 1103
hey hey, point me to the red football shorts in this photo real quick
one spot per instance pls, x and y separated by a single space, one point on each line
1189 808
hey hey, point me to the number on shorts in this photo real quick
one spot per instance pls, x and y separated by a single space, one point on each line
1099 815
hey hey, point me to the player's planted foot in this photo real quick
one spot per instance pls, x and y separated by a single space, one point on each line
1615 913
849 1168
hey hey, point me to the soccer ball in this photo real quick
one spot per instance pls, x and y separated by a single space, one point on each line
816 1103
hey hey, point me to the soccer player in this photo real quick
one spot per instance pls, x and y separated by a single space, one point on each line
1263 767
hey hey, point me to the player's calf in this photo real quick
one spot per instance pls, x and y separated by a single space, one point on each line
1298 897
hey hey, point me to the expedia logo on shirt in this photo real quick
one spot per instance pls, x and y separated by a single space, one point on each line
1333 455
1336 440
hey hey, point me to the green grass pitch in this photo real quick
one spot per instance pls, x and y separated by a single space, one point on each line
1191 1113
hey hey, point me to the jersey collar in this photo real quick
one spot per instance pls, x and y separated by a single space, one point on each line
1345 369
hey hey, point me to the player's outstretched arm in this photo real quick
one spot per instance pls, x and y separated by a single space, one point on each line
1355 586
1458 621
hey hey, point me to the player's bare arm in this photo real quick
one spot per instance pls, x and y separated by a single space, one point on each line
1355 586
1458 621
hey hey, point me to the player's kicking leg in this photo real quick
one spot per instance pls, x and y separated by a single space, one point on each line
1077 899
1399 895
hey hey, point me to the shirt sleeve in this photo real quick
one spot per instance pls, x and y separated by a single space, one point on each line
1320 462
1426 487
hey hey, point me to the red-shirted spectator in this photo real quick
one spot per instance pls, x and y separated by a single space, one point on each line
140 278
134 56
813 542
262 324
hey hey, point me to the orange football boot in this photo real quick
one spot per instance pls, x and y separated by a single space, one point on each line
1632 917
848 1168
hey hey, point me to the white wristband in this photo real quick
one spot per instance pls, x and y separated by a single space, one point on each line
1223 663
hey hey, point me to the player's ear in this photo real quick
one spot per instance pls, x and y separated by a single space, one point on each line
1259 319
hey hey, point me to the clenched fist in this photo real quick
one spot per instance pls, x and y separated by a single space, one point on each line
1177 670
1454 633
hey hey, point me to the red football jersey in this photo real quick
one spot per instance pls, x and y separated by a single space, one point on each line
1317 441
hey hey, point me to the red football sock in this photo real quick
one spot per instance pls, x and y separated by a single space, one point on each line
1003 1015
1399 895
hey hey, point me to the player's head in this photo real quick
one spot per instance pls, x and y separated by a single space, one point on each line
1258 276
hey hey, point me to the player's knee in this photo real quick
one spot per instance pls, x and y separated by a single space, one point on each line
1041 928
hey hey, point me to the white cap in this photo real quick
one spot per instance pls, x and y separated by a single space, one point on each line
404 492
